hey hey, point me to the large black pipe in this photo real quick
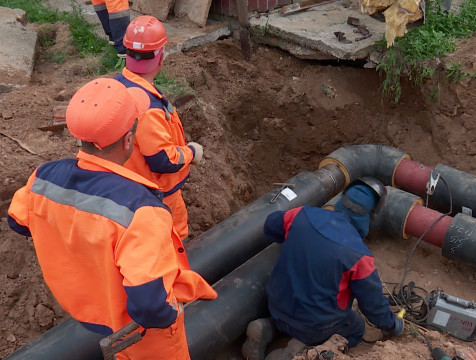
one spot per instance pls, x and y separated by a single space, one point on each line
378 161
230 243
213 254
460 240
393 215
463 191
211 325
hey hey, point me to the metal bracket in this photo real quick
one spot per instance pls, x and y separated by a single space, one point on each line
282 187
432 182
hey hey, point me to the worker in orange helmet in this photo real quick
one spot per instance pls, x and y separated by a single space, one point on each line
114 16
161 153
102 233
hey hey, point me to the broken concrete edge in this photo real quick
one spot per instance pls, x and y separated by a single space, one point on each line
263 33
192 42
17 49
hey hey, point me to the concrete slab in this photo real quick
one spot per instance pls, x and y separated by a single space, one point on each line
17 48
310 34
184 35
196 10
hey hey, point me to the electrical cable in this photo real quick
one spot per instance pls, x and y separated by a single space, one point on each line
406 294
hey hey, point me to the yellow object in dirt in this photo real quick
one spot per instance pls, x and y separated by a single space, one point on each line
401 314
398 16
370 7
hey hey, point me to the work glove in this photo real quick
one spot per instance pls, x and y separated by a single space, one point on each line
198 149
397 328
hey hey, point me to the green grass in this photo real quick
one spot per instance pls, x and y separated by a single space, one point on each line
83 37
171 86
412 54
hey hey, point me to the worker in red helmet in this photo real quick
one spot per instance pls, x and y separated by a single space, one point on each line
161 153
114 16
103 237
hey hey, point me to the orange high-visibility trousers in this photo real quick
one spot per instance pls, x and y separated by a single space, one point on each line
160 344
179 213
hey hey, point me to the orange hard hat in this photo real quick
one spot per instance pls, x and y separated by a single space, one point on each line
145 33
103 110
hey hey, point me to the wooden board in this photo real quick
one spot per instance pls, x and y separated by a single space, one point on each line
196 10
158 8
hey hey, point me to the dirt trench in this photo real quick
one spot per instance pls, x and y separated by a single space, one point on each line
260 122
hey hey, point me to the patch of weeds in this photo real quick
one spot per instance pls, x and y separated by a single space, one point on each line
411 54
58 58
37 11
412 330
171 86
47 36
435 94
454 72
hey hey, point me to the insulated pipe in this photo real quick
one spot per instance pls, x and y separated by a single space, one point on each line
213 254
230 243
404 215
355 161
395 167
392 216
413 177
211 325
68 340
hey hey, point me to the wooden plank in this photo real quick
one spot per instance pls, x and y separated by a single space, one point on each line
242 7
196 10
158 8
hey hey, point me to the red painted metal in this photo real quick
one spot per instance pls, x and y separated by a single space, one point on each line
420 219
412 176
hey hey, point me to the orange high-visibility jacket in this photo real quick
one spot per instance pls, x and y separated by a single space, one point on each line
116 7
160 152
105 244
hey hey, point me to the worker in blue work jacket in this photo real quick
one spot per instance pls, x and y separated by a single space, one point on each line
322 267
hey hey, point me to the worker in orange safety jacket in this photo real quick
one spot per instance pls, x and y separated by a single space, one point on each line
161 153
114 16
103 237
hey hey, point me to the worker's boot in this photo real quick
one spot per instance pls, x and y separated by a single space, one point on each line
259 334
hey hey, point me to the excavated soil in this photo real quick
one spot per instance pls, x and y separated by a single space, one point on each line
260 122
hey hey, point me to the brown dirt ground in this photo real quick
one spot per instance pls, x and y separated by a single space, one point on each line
260 122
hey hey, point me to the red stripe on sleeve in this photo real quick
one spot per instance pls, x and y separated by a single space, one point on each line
289 218
361 269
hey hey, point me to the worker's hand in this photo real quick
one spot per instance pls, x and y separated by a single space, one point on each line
397 328
198 149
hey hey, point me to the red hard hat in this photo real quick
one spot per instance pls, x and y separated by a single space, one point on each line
145 33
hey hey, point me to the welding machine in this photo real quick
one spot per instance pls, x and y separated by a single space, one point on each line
450 314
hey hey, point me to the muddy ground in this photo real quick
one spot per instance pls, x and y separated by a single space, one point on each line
260 122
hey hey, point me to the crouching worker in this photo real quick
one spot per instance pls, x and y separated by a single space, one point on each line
103 237
322 267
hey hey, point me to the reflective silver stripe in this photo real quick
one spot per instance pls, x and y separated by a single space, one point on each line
180 160
89 203
99 7
167 114
119 14
170 108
